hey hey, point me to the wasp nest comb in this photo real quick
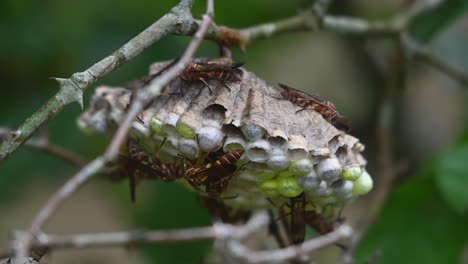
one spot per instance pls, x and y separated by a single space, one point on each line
231 135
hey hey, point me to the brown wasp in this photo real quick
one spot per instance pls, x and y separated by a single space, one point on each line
298 226
138 166
325 108
222 70
300 217
214 172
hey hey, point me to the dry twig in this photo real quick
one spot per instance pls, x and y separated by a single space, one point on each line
228 236
43 143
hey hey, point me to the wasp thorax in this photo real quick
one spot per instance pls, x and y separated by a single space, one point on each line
230 134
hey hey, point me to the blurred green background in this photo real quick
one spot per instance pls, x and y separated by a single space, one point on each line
426 217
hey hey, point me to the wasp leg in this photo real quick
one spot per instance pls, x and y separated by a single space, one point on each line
207 85
277 230
300 110
225 85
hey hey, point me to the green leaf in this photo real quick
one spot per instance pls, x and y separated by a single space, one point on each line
416 226
427 25
452 179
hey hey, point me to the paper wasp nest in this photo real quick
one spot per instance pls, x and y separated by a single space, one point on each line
285 152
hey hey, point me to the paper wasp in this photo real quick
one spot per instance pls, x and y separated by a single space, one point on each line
325 108
222 70
214 172
300 217
297 226
138 166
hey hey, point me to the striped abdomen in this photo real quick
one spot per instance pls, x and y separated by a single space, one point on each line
298 229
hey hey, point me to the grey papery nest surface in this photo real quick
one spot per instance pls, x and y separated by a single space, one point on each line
285 152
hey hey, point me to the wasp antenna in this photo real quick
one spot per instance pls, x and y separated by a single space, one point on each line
162 143
238 64
342 124
285 87
225 85
207 85
300 110
140 120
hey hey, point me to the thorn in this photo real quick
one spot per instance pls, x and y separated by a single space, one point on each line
73 89
79 100
61 81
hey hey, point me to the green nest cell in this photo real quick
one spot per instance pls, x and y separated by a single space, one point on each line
269 188
156 127
351 174
185 130
363 184
301 167
289 187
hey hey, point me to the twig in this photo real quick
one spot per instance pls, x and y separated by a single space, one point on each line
126 238
178 21
223 232
313 19
118 239
58 151
240 251
42 143
419 52
145 95
19 261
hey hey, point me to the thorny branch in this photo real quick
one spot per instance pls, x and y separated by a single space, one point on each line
177 21
146 95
